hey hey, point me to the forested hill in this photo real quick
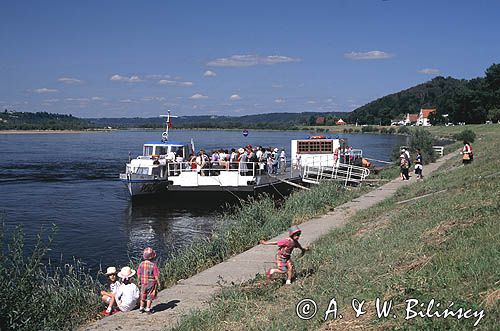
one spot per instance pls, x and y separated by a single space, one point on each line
431 94
470 101
260 121
41 121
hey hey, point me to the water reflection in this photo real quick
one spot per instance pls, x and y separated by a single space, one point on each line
156 223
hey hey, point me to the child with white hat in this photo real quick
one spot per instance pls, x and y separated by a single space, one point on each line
114 284
128 293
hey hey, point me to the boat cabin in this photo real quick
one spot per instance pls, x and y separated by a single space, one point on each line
316 149
163 148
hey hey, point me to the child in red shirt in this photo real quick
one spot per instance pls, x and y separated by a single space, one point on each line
148 273
283 257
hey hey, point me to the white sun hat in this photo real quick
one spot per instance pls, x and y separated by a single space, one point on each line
126 273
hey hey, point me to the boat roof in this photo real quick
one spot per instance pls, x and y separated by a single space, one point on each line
165 143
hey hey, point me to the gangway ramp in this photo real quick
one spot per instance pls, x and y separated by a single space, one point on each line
348 174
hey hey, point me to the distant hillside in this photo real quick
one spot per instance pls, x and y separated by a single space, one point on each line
470 101
41 121
427 95
262 121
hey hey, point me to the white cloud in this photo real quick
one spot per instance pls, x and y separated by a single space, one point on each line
45 90
126 101
250 60
280 100
70 81
429 71
235 97
51 100
372 55
174 83
159 99
209 73
97 98
277 86
311 102
131 79
198 96
78 99
155 76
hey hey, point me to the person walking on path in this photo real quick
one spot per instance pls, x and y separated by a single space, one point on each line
419 165
283 257
108 297
467 155
404 166
148 273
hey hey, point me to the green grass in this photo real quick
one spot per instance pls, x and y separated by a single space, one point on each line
443 246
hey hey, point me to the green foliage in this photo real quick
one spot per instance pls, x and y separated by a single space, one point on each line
403 130
494 114
465 135
36 296
423 140
41 121
368 128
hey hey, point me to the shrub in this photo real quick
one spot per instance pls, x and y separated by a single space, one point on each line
423 140
368 128
467 135
403 130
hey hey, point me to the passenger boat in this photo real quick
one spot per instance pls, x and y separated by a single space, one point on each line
164 168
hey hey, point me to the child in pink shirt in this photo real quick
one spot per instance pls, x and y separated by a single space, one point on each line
283 257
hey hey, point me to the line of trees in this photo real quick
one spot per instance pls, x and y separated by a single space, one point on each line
41 121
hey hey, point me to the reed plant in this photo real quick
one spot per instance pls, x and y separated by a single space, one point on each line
38 295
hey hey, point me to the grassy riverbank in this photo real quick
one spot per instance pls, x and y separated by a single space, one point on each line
442 247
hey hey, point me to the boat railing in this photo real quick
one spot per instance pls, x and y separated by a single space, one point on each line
214 168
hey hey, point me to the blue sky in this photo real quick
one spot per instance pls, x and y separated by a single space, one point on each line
139 58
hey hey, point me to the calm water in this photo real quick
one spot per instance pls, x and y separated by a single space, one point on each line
71 180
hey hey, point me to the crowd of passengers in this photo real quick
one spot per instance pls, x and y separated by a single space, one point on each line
248 160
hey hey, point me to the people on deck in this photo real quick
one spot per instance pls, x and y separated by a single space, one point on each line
284 255
282 164
147 274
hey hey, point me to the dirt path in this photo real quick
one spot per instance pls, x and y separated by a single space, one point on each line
194 292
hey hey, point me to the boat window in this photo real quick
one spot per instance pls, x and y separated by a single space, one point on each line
175 149
161 150
315 147
142 171
148 150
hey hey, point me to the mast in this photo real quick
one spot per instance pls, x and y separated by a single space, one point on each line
168 125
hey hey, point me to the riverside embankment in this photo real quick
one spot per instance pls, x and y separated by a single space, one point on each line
246 305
